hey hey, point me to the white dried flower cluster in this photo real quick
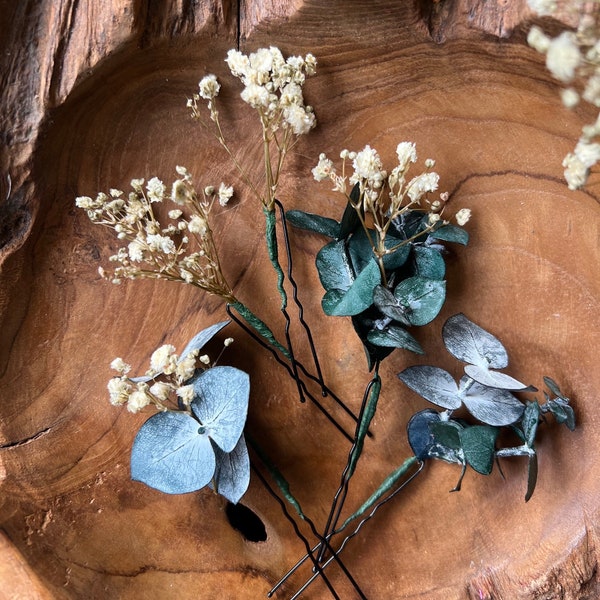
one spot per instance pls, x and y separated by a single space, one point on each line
165 385
384 196
273 85
573 57
179 249
164 382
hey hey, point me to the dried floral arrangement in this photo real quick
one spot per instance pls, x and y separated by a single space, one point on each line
384 267
573 58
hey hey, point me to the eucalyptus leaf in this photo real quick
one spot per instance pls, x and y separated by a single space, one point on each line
202 338
350 221
221 404
314 223
434 384
563 412
423 297
428 262
334 268
532 473
491 405
447 433
389 305
171 455
553 387
495 379
478 444
451 233
363 323
529 422
357 298
393 336
470 343
419 433
232 471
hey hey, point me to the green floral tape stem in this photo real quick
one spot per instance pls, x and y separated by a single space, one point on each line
259 326
271 237
275 473
365 423
386 486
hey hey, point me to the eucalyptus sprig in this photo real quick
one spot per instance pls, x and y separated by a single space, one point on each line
488 395
385 265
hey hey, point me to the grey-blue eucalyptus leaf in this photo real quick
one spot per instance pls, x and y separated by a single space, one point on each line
232 472
221 404
434 384
202 338
470 343
495 379
491 405
171 455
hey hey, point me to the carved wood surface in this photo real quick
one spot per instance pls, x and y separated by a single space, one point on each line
93 94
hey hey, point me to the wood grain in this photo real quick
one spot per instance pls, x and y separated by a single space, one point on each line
93 95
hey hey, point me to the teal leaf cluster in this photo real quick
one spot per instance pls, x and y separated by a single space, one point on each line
409 292
488 395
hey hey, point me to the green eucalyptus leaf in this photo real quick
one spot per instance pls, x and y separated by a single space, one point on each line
447 433
363 324
360 250
451 233
350 221
357 298
399 251
563 412
333 266
532 473
553 387
428 262
491 405
470 343
478 444
221 404
423 297
529 422
312 222
434 384
170 454
393 336
232 471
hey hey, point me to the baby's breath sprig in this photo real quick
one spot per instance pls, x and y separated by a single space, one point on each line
380 198
182 250
165 385
272 86
573 57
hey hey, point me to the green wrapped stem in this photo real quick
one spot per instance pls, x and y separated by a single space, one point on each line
365 423
388 483
271 237
259 326
275 473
